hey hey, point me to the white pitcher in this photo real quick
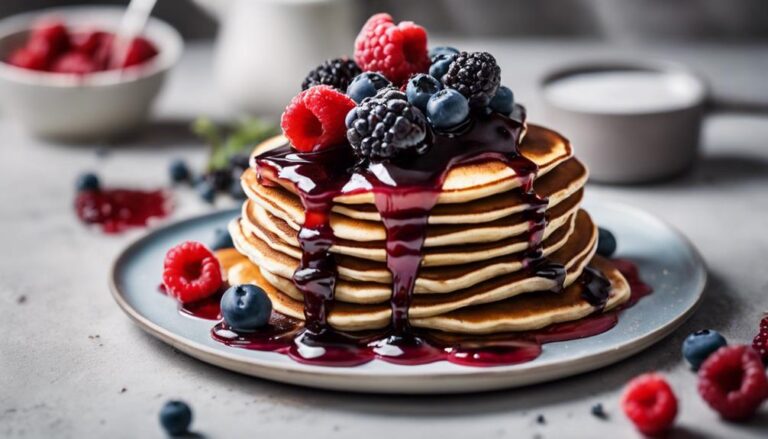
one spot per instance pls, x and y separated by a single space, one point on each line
266 47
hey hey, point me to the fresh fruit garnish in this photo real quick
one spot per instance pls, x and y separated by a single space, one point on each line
176 417
699 345
442 52
246 307
385 126
191 272
475 75
366 85
760 342
504 101
733 382
87 182
139 51
89 43
74 63
205 190
650 404
179 171
447 109
315 118
420 88
221 239
440 64
337 73
27 58
53 33
606 242
395 50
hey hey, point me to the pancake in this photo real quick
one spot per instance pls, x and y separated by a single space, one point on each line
568 178
464 183
366 238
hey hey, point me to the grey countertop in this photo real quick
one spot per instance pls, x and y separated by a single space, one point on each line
72 365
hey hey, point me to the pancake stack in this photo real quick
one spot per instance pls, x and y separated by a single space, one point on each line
476 276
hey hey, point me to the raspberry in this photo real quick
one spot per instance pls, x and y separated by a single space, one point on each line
396 51
475 75
650 404
139 51
315 118
28 59
337 73
54 34
760 342
191 272
732 381
75 63
386 125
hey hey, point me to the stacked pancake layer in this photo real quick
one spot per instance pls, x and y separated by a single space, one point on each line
476 275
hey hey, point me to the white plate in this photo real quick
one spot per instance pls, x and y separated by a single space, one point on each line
667 261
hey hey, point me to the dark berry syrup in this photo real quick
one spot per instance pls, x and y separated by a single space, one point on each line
405 191
118 209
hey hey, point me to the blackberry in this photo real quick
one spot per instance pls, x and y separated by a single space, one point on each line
475 75
337 73
385 126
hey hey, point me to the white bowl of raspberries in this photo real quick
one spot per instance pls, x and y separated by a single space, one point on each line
60 76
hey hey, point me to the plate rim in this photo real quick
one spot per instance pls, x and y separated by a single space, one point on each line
308 375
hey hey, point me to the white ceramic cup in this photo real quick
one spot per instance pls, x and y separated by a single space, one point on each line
630 122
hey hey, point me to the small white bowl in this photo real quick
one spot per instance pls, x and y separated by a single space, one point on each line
96 106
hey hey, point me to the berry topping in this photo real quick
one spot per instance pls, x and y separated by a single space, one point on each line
732 381
221 239
385 126
447 109
606 242
366 85
75 63
191 272
246 307
420 88
699 345
206 191
176 417
87 182
315 118
139 51
53 33
28 58
337 73
179 171
475 75
396 51
504 101
650 404
442 52
440 65
760 342
89 43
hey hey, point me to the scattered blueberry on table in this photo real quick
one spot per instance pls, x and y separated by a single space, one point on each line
206 191
176 417
606 242
87 182
246 307
179 171
699 345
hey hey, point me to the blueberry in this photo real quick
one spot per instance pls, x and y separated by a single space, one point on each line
447 108
442 51
206 191
366 85
420 88
240 162
606 243
221 239
440 65
221 179
698 346
87 182
503 101
236 190
176 417
179 171
246 307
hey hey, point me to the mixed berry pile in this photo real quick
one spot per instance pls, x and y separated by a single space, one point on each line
51 47
385 101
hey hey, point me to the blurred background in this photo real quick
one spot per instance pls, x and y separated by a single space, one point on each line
616 20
